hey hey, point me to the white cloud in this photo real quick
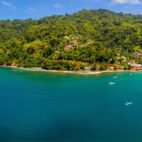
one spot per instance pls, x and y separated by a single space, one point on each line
8 4
127 1
58 5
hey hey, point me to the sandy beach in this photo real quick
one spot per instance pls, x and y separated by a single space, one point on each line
85 72
38 69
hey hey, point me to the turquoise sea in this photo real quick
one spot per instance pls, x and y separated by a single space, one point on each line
58 107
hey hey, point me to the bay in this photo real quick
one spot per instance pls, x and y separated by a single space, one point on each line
59 107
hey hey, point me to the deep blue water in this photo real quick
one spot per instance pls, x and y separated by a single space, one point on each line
57 107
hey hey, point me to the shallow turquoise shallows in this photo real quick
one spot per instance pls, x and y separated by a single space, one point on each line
57 107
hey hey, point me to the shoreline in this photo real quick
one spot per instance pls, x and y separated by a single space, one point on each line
87 72
38 69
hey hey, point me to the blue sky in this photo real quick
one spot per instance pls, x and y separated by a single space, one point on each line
23 9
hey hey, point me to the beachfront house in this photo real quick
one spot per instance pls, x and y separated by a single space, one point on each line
134 65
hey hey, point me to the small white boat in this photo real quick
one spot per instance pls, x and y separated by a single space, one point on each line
112 83
115 77
128 103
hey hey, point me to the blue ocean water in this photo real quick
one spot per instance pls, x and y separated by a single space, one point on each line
58 107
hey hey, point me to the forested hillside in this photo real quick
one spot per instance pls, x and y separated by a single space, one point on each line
89 38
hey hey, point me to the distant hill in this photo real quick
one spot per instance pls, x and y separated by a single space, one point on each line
96 38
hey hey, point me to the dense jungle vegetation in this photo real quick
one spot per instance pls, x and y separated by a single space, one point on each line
89 38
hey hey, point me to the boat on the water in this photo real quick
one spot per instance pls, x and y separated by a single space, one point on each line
112 83
128 103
